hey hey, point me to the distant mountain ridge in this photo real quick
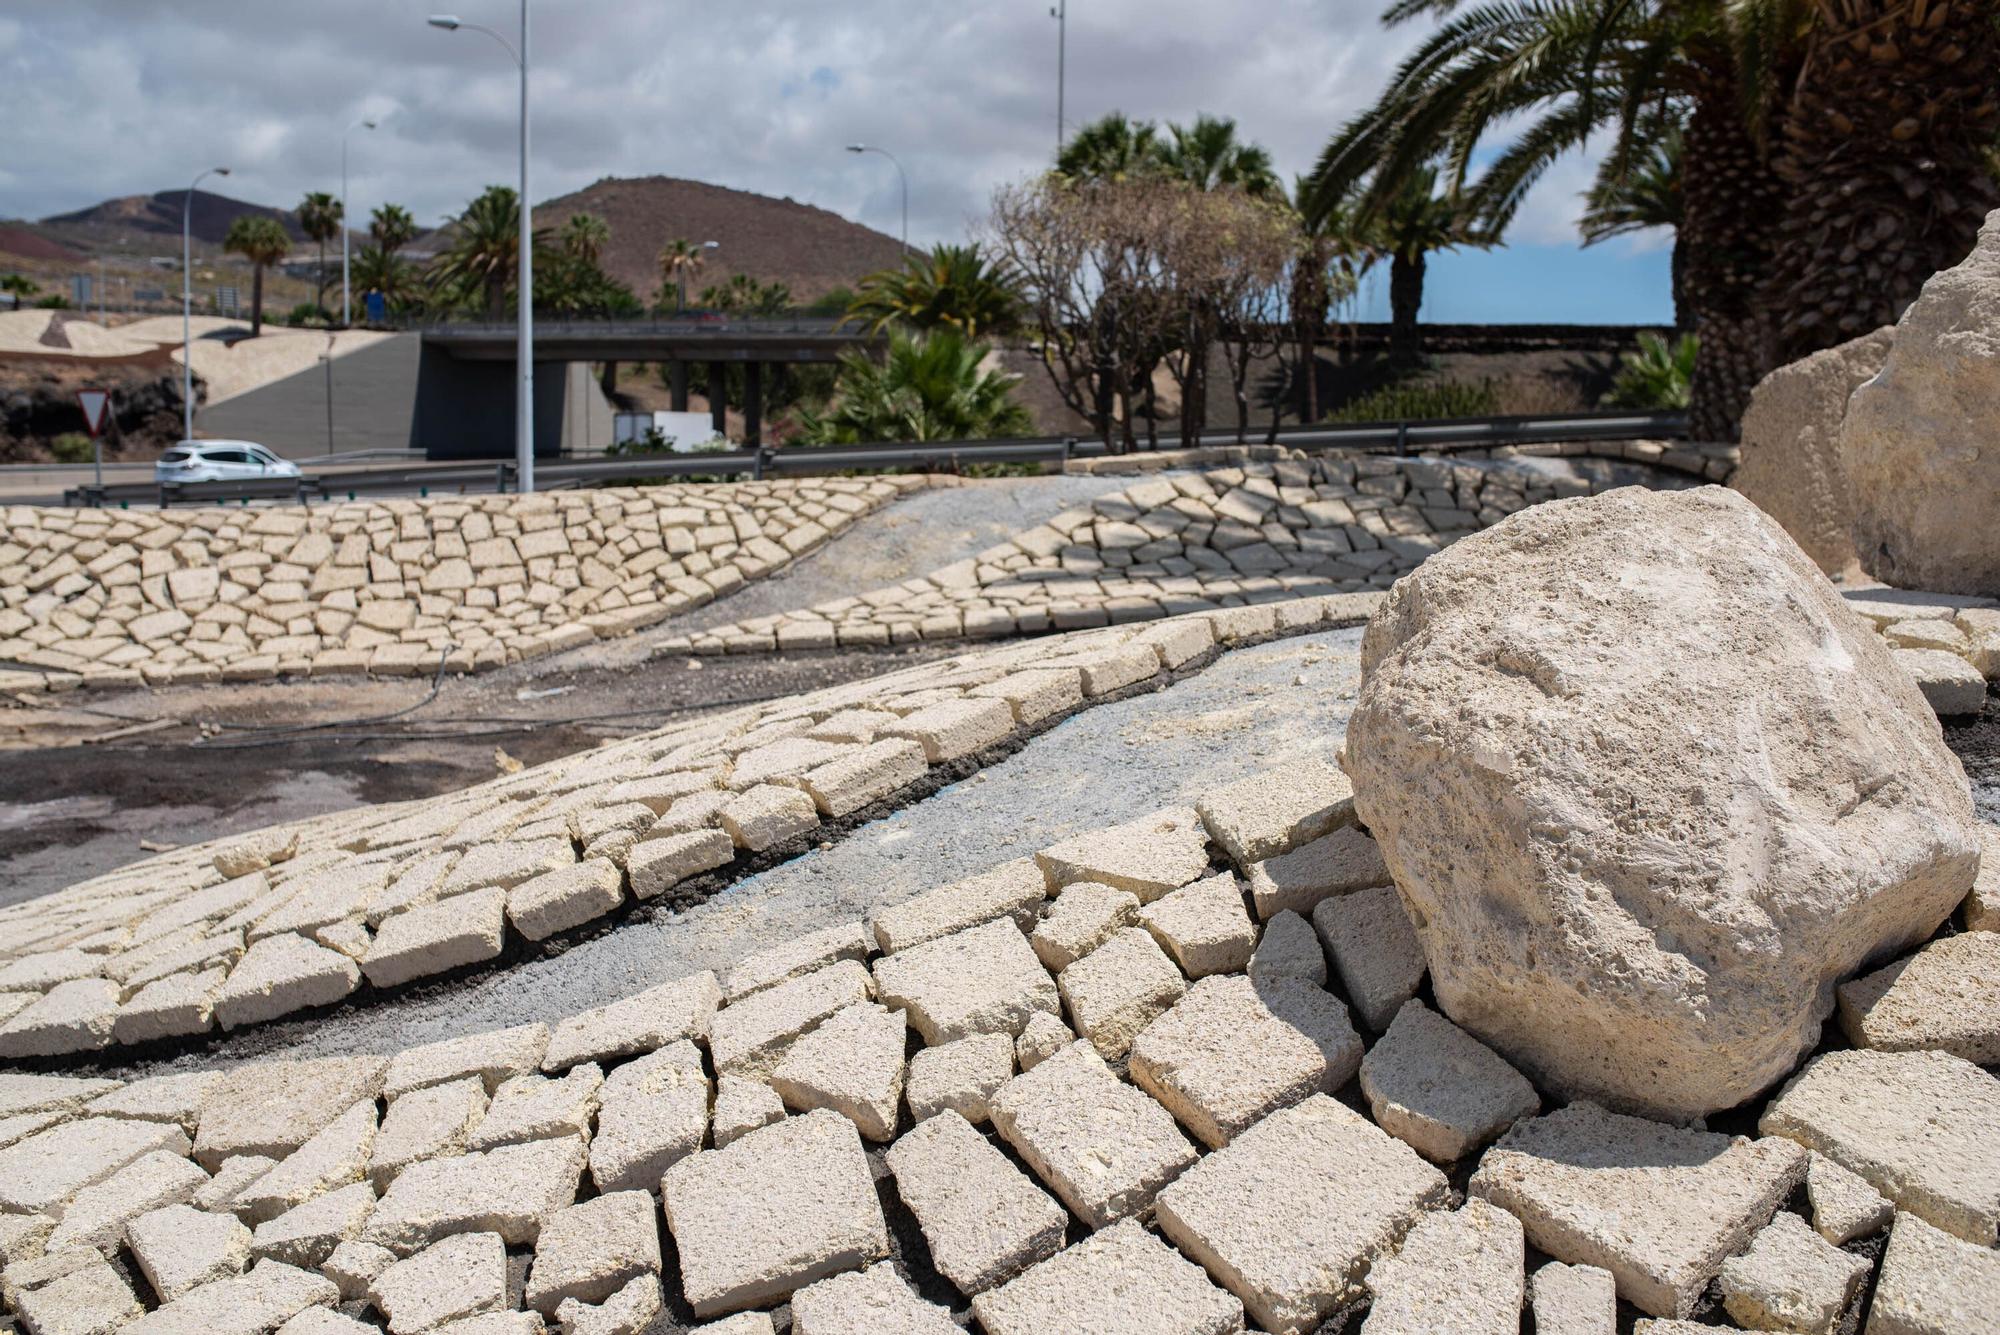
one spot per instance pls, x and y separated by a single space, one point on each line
160 215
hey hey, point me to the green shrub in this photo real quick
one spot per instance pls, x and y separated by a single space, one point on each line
1660 375
307 313
71 447
54 302
1416 400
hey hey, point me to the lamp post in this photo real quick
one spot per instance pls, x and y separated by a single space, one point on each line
187 302
346 307
901 176
1060 13
524 347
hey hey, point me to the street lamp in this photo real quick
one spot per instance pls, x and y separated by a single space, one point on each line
1060 13
901 176
524 348
187 302
346 307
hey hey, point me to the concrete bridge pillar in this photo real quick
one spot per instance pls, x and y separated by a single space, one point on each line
677 384
753 403
718 398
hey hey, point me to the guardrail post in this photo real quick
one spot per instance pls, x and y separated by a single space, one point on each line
757 464
1068 444
1402 437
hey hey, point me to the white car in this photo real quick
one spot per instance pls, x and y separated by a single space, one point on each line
220 461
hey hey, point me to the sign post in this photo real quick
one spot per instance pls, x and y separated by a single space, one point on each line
94 402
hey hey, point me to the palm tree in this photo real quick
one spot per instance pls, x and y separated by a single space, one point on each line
263 241
320 218
954 287
584 237
1111 148
680 259
19 286
744 295
1414 222
384 271
927 387
485 252
1641 194
1209 156
392 228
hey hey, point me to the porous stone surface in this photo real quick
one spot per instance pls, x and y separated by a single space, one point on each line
353 1266
1119 988
1790 466
768 814
1659 1207
629 1311
336 1155
559 900
1102 1146
658 865
590 1251
1458 1271
776 1210
875 1299
1440 1090
535 1107
90 1300
1844 1206
509 1191
493 1057
1291 1214
1276 811
50 1167
1204 926
1916 1125
457 1277
1043 1036
1374 949
306 1235
983 1219
1791 1279
983 979
176 1097
1951 686
752 1036
272 1108
816 950
97 1215
741 1106
1296 881
1012 890
429 1123
1573 1300
1079 920
1935 1284
271 1294
73 1016
673 1011
1122 1279
1147 857
962 1076
1924 485
179 1247
234 1174
1513 844
853 1064
1235 1049
465 929
652 1113
1944 997
1289 948
850 782
280 974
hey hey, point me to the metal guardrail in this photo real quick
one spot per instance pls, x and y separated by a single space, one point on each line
927 456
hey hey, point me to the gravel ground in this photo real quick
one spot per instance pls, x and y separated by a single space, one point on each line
1249 710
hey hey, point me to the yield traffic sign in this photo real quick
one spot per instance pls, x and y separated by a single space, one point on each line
94 403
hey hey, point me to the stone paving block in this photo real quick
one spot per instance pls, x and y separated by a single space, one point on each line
179 1247
853 1064
1440 1090
1102 1146
752 1036
768 814
74 1016
1291 1214
325 1321
876 1301
232 1177
962 1076
743 1323
1036 694
179 1004
1147 857
983 979
494 1057
353 1266
1982 906
816 950
1573 1300
590 1251
22 1237
1844 1206
429 1123
307 1234
1177 640
1042 1037
1122 1280
1204 926
1946 997
629 1311
176 1098
1289 948
329 896
465 929
27 1124
1791 1279
1277 810
652 1114
508 1191
1013 890
21 1092
1951 686
1916 1125
1119 988
1660 1207
271 1108
1456 1272
91 1300
659 864
1935 1284
266 1298
776 1210
1079 920
97 1215
952 729
536 1107
702 811
559 900
1234 1050
642 1022
50 1167
741 1106
984 1219
457 1277
336 1155
1335 864
852 781
1374 949
32 1273
505 864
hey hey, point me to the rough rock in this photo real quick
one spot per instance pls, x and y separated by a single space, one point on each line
1951 686
509 1191
1290 948
97 1216
984 1219
629 1311
180 1247
652 1113
270 1295
50 1167
90 1300
1925 480
962 1076
1844 1206
535 1107
590 1251
1336 864
336 1155
681 1009
494 1057
1013 889
1791 1279
1119 988
1935 1284
1204 926
984 979
458 1277
1440 1090
272 1108
1374 949
1079 920
752 1036
1457 1272
1276 811
1147 857
1042 1037
1121 1281
306 1235
429 1123
1525 749
1573 1300
741 1106
874 1300
1946 996
853 1064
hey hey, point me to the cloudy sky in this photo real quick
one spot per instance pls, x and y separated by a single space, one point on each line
114 97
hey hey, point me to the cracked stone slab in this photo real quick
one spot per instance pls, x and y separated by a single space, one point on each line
509 1191
1659 1207
232 1177
91 1300
1204 926
1118 989
1573 1300
590 1251
50 1167
271 1294
752 1036
629 1311
951 729
1080 919
875 1299
536 1107
282 974
984 1219
853 1064
1234 1050
1339 863
776 1210
451 934
1374 949
1146 857
1121 1280
1439 1089
457 1277
1918 1126
337 1155
307 1234
429 1123
962 1076
1944 997
353 1266
1012 890
1457 1271
1291 1214
494 1057
1105 1148
1935 1284
1791 1279
176 1098
179 1248
272 1108
741 1106
1289 948
1272 813
682 1009
97 1215
983 979
652 1113
24 1093
802 955
1844 1206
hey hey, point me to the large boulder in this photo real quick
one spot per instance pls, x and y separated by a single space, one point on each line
1920 447
1649 790
1790 462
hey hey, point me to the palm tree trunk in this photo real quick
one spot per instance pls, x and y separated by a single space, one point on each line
256 300
1406 298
